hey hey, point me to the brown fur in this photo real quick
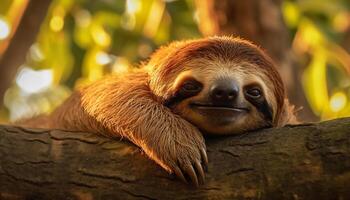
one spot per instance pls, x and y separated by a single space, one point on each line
131 106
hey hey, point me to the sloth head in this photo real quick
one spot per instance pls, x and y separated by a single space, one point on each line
223 85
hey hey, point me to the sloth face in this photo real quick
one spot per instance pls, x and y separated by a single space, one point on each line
223 85
223 97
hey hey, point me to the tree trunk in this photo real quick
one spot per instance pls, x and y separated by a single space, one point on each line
260 22
310 161
14 51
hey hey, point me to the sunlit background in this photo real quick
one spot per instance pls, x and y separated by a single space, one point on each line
80 41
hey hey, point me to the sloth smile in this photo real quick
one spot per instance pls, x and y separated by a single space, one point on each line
220 115
209 107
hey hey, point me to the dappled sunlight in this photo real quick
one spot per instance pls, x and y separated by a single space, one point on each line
100 36
23 105
33 94
133 6
103 58
121 65
338 102
341 21
4 29
291 13
32 81
56 23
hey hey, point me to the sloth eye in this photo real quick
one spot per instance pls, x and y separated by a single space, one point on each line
191 86
188 89
254 93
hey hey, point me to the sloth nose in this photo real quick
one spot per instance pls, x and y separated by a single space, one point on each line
223 92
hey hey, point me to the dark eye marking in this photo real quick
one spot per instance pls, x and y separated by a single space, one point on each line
188 88
254 94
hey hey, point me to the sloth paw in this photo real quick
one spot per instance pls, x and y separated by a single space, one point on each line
181 152
191 165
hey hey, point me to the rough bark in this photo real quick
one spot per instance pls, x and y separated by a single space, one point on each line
260 22
15 52
310 161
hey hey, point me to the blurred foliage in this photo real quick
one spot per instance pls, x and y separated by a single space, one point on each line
321 41
82 40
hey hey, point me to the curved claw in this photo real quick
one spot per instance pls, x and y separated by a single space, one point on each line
200 171
205 157
192 174
179 174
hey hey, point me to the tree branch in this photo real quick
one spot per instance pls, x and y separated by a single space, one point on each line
310 161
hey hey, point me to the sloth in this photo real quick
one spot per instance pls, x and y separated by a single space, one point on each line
187 89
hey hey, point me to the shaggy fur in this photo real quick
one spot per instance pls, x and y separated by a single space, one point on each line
133 105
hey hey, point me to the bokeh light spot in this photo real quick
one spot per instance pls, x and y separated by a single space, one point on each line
291 13
56 23
83 18
341 22
132 6
102 58
32 81
100 36
4 29
35 53
338 101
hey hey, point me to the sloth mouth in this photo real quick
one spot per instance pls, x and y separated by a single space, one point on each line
219 115
219 108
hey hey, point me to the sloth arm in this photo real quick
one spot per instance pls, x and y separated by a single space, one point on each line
126 107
